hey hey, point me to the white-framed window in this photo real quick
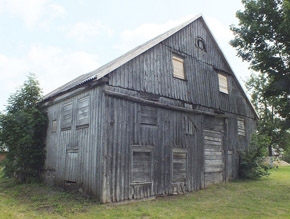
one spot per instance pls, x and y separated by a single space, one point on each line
223 83
241 127
178 67
141 164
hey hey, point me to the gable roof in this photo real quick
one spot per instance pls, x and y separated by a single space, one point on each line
118 62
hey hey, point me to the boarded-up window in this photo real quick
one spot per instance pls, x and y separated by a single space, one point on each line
223 83
66 116
179 165
53 126
148 115
141 171
241 127
83 111
178 67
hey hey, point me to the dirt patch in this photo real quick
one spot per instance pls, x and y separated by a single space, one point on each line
281 163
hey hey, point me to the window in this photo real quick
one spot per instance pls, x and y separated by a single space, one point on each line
53 126
141 169
148 115
83 111
66 116
178 67
199 43
179 165
241 127
223 83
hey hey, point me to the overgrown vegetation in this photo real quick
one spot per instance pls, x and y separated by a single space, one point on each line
252 161
239 199
22 132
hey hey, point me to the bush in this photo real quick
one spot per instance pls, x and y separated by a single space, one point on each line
22 131
251 164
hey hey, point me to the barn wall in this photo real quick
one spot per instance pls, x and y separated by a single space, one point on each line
73 156
174 143
152 72
174 137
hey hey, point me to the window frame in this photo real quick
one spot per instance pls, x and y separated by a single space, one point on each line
87 119
180 151
64 124
54 126
241 127
148 115
178 62
200 43
223 83
141 149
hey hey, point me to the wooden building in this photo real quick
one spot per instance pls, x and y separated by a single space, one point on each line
168 117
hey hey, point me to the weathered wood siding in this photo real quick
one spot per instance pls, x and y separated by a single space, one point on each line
213 157
176 156
74 149
152 72
145 132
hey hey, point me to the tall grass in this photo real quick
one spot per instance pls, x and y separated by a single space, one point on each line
264 198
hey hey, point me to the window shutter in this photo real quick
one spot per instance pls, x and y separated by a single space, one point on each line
66 116
241 127
179 162
83 111
141 166
223 83
178 67
149 115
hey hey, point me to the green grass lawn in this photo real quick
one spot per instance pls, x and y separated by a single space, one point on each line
265 198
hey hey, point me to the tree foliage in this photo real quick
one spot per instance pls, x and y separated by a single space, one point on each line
23 129
262 38
270 125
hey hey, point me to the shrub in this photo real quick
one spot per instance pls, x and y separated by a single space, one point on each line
251 164
22 131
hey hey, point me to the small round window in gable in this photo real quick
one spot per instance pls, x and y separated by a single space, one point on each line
199 43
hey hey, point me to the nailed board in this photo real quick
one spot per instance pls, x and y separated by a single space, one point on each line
213 157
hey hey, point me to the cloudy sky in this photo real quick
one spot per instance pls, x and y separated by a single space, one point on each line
59 40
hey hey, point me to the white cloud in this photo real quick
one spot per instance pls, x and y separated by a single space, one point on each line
220 31
32 12
83 30
57 66
12 73
145 32
52 66
223 35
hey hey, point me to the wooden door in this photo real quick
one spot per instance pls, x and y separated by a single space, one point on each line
213 157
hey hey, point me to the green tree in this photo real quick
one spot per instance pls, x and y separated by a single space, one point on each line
262 38
270 125
22 131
